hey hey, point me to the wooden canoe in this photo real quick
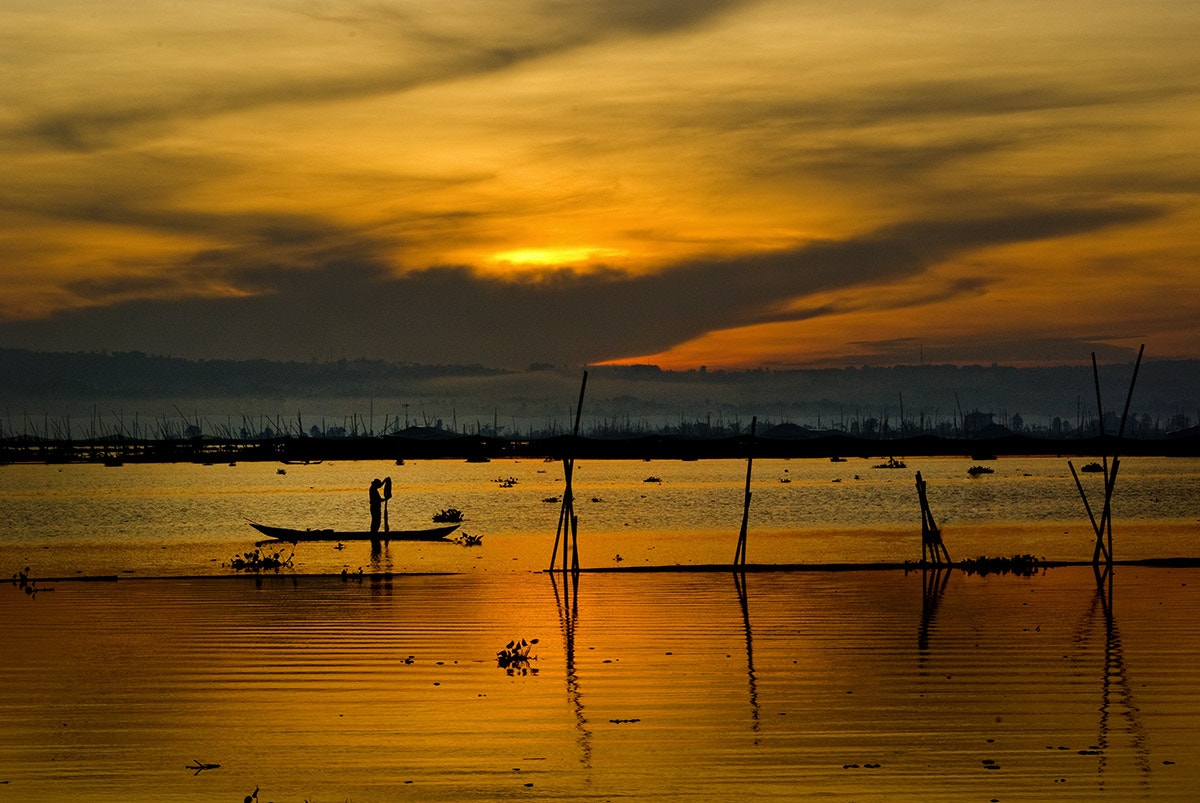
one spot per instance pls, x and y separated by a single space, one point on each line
295 536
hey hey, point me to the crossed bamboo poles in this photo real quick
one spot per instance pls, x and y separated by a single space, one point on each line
568 522
1103 528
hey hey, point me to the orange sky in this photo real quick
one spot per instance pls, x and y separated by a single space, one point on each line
794 184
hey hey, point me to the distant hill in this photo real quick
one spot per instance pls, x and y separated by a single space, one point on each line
372 394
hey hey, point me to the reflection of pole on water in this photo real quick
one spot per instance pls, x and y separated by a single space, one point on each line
568 615
739 579
1116 693
933 586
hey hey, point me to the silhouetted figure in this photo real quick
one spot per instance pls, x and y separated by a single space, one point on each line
376 504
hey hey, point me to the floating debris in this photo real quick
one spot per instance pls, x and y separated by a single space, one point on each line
652 479
891 463
200 767
515 657
469 540
450 515
21 580
258 561
1024 565
975 471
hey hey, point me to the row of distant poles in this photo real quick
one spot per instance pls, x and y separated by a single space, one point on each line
933 549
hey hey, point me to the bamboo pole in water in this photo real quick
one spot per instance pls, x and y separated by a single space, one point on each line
568 523
1103 529
933 548
739 558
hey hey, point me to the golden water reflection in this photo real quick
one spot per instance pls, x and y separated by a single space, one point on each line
672 686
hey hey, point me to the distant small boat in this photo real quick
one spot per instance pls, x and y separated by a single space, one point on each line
983 456
975 471
891 463
295 536
1093 468
837 460
479 459
302 462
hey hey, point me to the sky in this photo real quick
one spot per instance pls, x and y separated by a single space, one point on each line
701 182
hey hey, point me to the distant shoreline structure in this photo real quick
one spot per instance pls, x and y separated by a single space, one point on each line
448 446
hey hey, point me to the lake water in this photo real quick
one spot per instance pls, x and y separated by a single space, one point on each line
851 686
187 519
704 686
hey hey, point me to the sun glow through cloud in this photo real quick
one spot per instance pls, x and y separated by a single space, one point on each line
792 182
555 257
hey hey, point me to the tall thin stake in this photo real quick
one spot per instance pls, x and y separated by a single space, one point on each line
1103 529
568 522
933 549
739 558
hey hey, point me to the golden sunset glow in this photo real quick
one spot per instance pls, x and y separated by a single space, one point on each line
552 257
786 184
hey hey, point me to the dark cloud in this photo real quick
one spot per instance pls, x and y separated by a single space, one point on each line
430 56
312 297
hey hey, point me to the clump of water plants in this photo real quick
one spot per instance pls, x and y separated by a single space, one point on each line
1022 565
21 580
450 515
514 658
258 561
469 540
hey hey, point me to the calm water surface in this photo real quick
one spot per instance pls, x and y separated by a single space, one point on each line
849 686
673 686
186 519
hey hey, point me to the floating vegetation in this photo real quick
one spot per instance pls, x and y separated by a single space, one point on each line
506 482
1023 565
21 580
551 499
258 561
1093 468
515 657
469 540
975 471
450 515
652 479
891 463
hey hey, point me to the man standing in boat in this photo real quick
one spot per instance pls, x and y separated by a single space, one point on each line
376 497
